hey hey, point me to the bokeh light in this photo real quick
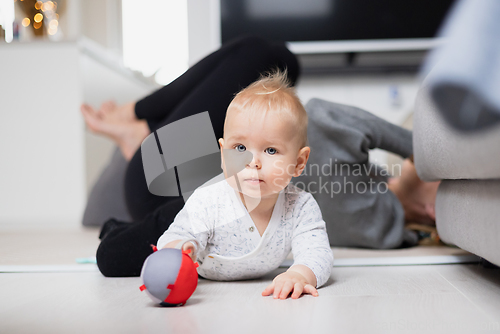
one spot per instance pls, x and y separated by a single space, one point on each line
26 22
48 6
53 24
38 18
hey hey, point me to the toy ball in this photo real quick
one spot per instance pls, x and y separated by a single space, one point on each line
169 276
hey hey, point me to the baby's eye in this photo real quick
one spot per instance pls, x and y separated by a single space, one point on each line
241 148
271 151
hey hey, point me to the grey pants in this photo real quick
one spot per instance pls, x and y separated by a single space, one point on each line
356 205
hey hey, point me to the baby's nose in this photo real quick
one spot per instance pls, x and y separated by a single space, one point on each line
255 163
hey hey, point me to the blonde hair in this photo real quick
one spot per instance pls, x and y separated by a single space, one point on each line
273 93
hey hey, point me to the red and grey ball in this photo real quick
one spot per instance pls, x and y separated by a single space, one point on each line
169 277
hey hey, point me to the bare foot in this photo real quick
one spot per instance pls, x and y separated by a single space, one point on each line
417 197
111 110
118 124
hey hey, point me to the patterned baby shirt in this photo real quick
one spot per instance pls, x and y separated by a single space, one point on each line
231 247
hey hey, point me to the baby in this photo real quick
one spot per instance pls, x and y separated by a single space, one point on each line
245 225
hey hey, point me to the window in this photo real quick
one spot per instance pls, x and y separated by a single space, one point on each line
155 37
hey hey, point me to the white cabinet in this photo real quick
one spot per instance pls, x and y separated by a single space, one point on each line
47 161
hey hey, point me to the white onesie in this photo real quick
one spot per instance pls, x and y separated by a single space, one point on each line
231 247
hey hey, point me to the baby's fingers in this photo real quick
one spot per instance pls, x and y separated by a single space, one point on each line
278 286
297 290
287 288
268 290
190 249
308 288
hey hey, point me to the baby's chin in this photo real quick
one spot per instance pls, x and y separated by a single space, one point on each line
257 193
253 192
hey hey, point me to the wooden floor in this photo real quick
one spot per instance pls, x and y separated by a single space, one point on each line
459 298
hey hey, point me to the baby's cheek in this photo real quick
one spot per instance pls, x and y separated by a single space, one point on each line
280 175
283 169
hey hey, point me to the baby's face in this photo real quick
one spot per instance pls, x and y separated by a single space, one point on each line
276 152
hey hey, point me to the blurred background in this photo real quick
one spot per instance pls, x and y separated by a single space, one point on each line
56 55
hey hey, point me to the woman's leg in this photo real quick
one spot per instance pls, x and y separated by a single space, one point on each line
125 246
225 73
231 68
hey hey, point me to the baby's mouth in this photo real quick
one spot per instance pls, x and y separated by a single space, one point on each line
253 180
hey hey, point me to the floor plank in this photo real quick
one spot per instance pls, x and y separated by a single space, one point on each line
479 285
414 299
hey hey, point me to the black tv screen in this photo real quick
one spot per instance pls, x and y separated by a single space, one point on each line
332 20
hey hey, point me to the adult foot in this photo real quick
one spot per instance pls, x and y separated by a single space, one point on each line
118 124
417 197
111 110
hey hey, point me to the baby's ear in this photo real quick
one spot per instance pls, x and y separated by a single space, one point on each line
221 143
302 158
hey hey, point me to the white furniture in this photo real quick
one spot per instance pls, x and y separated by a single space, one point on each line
47 160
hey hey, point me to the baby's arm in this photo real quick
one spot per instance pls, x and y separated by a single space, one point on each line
187 225
313 257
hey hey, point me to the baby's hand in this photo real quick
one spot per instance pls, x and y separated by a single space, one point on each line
287 282
189 247
186 247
